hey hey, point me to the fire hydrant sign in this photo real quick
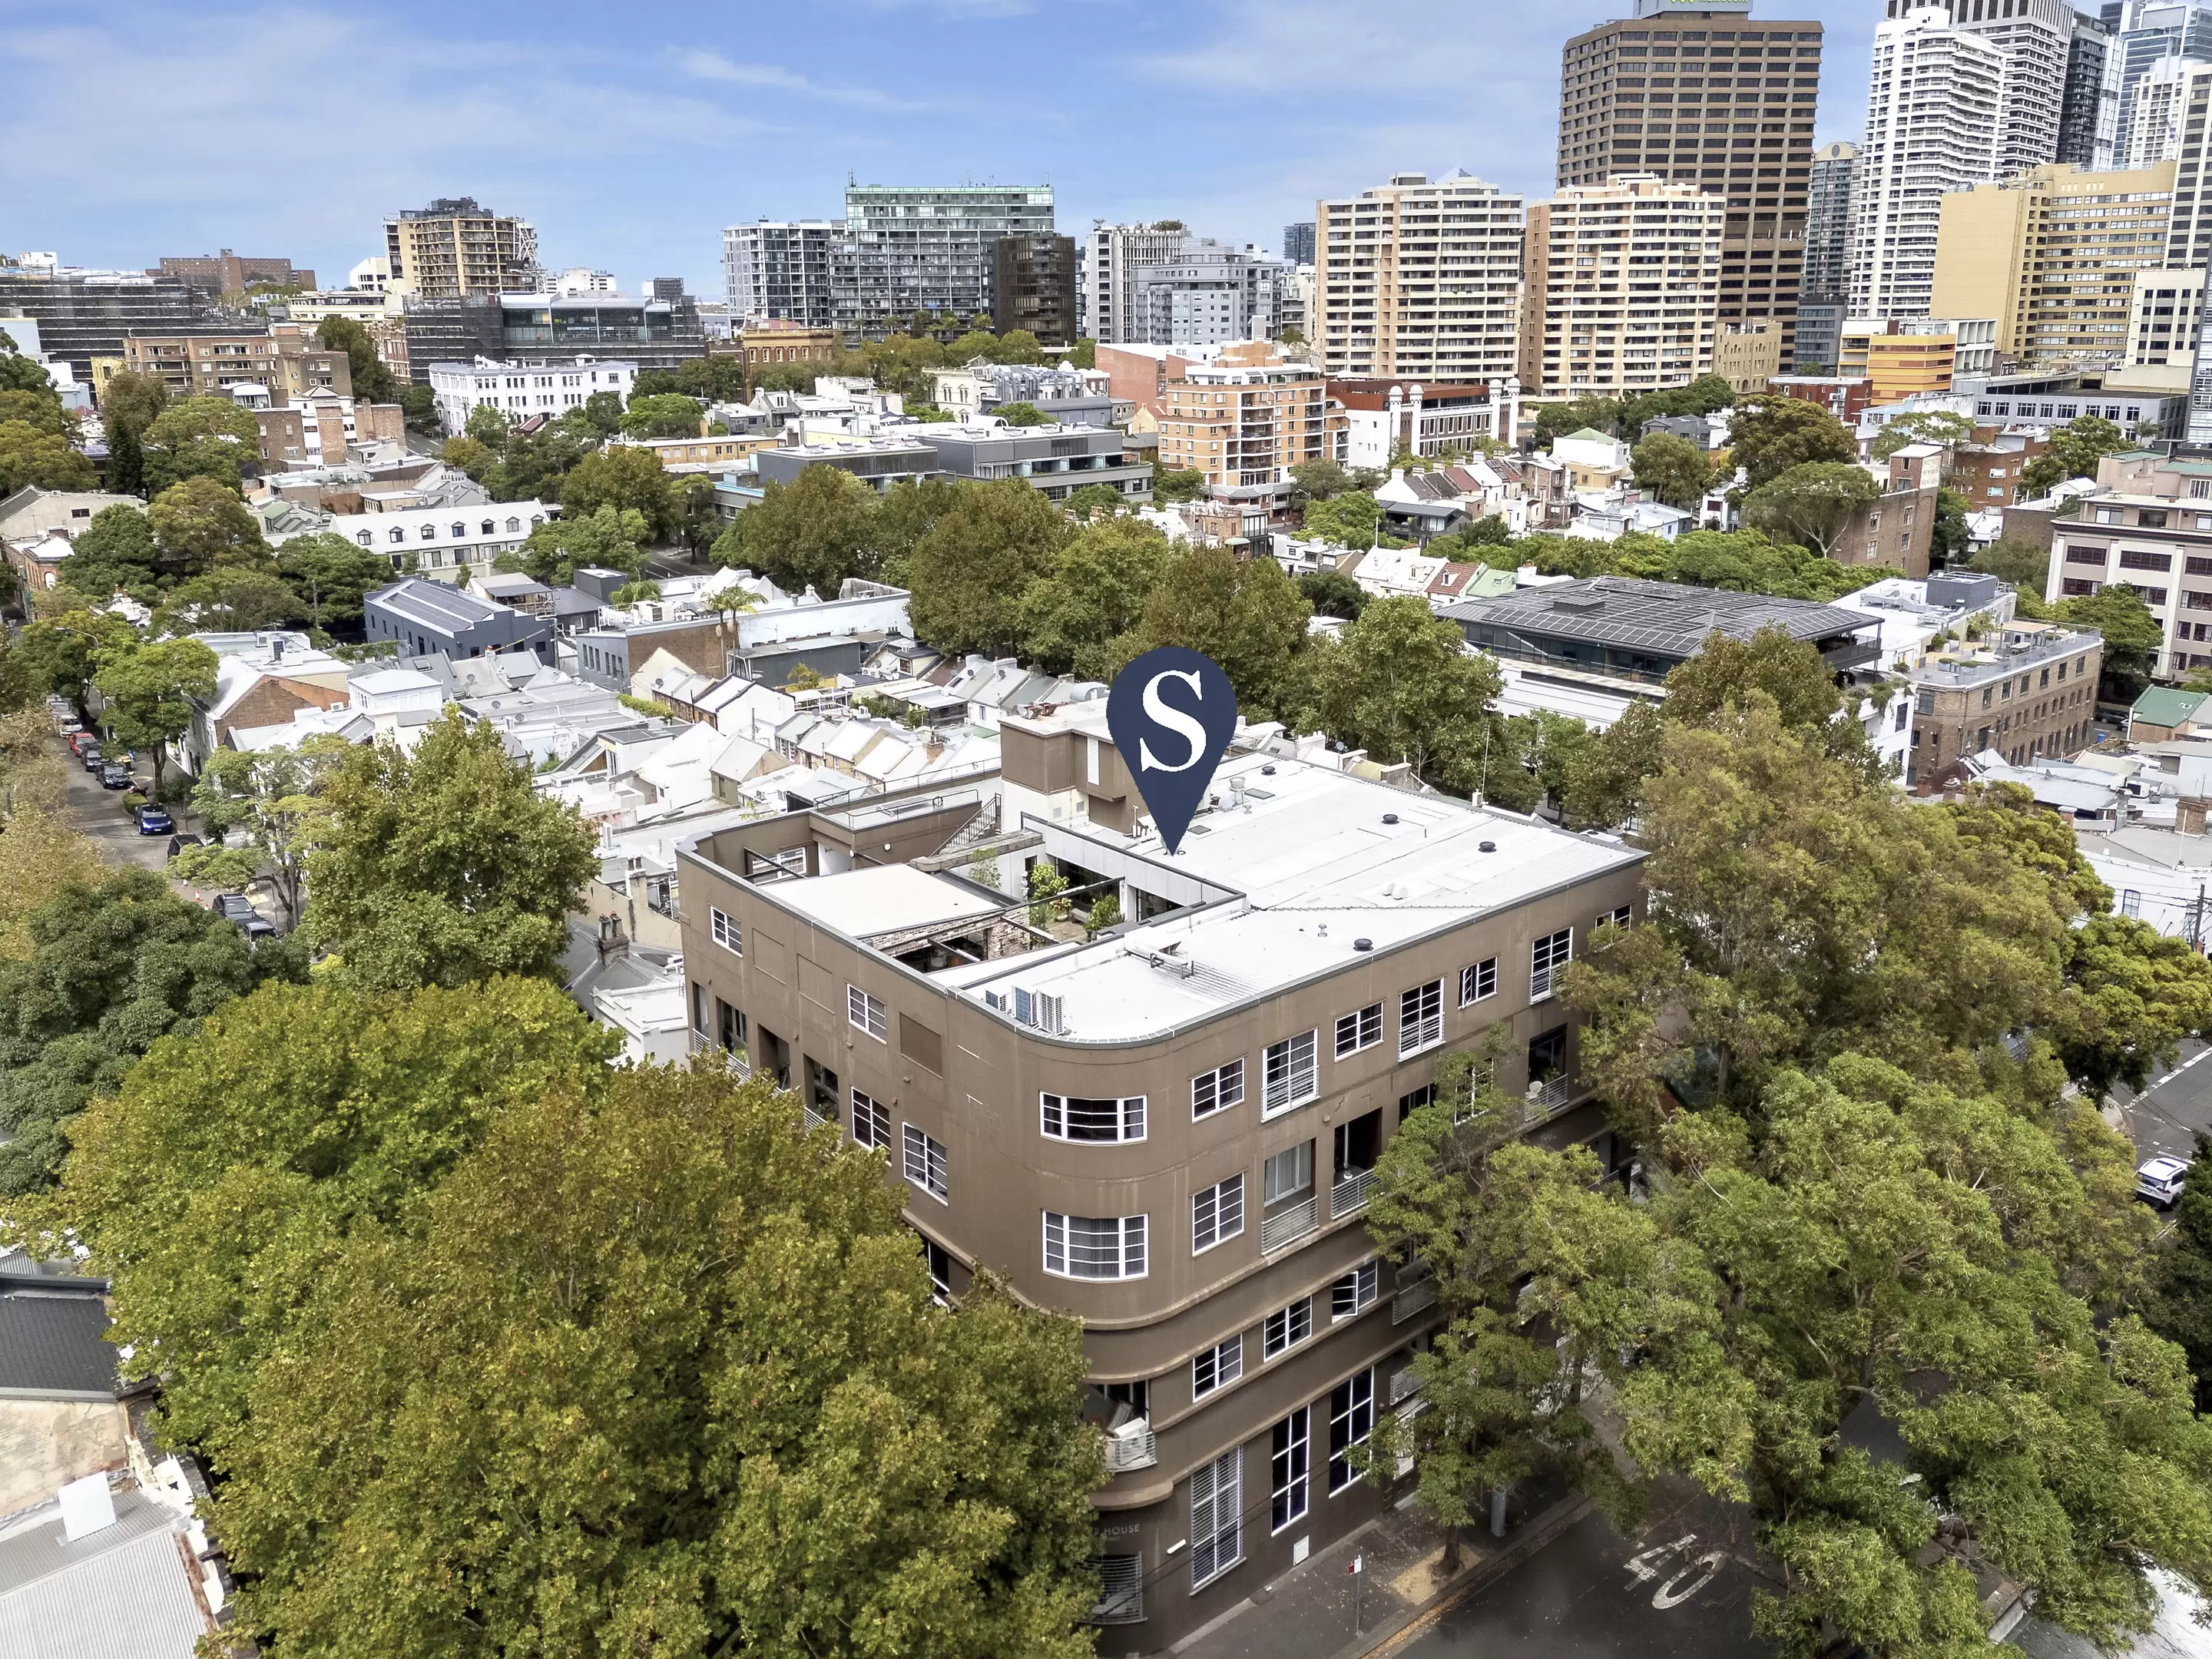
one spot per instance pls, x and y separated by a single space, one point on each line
1172 712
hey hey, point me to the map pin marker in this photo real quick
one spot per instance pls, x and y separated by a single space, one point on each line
1172 714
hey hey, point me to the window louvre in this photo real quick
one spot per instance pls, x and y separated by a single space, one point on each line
867 1014
1216 1506
1362 1028
725 932
1478 982
1420 1018
1217 1215
1094 1246
1218 1367
1070 1117
1291 1077
1217 1090
872 1121
1546 958
925 1164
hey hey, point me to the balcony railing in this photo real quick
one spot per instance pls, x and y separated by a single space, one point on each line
1289 1225
1550 1096
1131 1446
1349 1193
1411 1300
1404 1385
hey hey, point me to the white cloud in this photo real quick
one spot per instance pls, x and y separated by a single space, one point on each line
707 65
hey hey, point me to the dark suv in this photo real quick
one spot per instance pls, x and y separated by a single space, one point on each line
238 908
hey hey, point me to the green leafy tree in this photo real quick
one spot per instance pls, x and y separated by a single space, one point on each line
230 600
330 576
1071 618
1552 422
2132 636
603 410
1672 470
211 438
1770 434
372 381
609 539
418 409
116 553
2179 1308
1352 519
40 410
200 524
1333 593
1244 613
474 458
1400 683
976 343
1941 427
1095 501
1022 414
2074 450
535 466
695 520
1018 345
442 864
665 416
970 571
1085 354
1046 883
1171 483
1318 480
1948 535
63 650
487 426
126 463
2021 563
499 1196
131 398
274 796
31 458
148 695
1814 503
812 533
112 969
622 477
904 515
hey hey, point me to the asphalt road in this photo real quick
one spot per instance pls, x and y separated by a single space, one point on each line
2178 1105
98 813
1682 1590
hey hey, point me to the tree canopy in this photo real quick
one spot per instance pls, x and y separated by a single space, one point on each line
1674 469
1769 433
812 533
2074 453
970 571
1813 503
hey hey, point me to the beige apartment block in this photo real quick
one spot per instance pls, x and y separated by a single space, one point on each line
455 247
1244 421
2053 255
286 360
2164 318
1748 353
1419 279
1621 288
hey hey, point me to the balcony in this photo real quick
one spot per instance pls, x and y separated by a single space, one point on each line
1289 1225
1131 1446
1412 1300
1550 1096
1350 1193
1404 1385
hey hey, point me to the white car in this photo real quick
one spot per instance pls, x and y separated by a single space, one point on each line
2160 1180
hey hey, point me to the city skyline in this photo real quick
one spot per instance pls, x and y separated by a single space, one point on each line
633 158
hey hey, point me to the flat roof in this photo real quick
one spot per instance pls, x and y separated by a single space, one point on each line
889 898
1672 617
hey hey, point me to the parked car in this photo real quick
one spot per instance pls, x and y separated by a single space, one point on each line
2160 1180
71 726
178 843
156 820
90 755
237 908
78 739
114 774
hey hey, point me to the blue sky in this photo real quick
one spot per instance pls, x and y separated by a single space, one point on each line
630 135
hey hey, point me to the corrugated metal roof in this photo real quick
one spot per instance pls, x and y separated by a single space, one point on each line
2164 705
1664 616
122 1592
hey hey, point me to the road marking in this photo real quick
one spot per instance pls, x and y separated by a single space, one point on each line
2177 1072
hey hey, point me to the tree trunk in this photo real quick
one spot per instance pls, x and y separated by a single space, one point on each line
1451 1567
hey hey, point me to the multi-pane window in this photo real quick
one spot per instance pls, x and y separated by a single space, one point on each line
1291 1444
1286 1328
1362 1028
939 1261
1289 1075
1094 1246
1546 958
1355 1293
1217 1090
1069 1117
1351 1420
1217 1213
1218 1367
1289 1173
1217 1513
868 1013
1420 1018
872 1121
725 932
1478 982
925 1164
1619 918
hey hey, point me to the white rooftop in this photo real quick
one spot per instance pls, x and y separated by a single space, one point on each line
863 903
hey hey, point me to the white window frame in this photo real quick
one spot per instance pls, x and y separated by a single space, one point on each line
1298 1069
1356 1407
876 1117
865 1013
1053 1117
926 1160
1290 1470
1286 1328
1425 1029
1360 1029
1217 1367
1224 1085
1626 914
1217 1518
1130 1253
1217 1213
1546 957
1478 982
726 931
1357 1289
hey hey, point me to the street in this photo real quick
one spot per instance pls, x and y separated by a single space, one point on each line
98 814
2166 1115
1682 1588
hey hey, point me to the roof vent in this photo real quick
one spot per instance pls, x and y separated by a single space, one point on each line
1489 847
1267 771
1363 945
1389 817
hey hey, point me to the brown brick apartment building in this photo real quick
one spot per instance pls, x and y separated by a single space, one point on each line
1169 1131
2029 691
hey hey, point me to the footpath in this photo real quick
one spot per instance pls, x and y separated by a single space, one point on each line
1309 1612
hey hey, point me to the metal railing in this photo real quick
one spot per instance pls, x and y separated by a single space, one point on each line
1404 1385
1120 1589
1349 1193
1550 1096
1411 1300
1131 1446
1290 1225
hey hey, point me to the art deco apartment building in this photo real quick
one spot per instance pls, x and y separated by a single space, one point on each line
1169 1131
455 247
1622 290
1419 280
1712 94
